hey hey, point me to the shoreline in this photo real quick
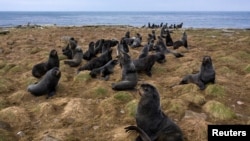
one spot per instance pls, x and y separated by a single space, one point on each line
119 26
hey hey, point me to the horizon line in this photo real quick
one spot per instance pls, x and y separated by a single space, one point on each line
121 11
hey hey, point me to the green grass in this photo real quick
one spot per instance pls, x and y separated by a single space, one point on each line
247 68
132 108
218 110
123 96
81 77
215 90
100 92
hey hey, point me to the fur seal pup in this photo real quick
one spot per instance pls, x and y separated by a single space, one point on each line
97 62
165 33
129 75
40 69
137 41
152 123
77 59
53 60
144 51
47 85
105 70
69 49
179 25
90 53
98 46
204 76
181 42
123 46
102 45
161 47
145 64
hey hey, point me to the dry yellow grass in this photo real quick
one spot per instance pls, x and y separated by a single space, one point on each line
88 109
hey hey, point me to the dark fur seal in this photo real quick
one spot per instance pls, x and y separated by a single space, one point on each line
90 53
47 85
144 51
69 49
182 42
179 25
152 123
165 33
129 75
137 41
145 64
105 70
53 60
161 47
77 59
97 62
102 45
206 74
40 69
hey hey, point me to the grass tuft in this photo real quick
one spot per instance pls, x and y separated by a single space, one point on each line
218 110
215 90
123 96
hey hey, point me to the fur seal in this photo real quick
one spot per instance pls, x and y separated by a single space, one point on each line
179 25
90 53
161 47
102 45
144 51
181 42
77 58
69 49
152 123
145 64
40 69
129 75
47 85
204 76
97 62
136 41
105 70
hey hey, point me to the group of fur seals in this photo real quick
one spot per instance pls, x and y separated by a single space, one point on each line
161 47
77 58
151 122
204 76
73 52
145 64
104 70
70 48
97 62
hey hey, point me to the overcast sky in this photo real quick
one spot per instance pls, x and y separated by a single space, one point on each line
125 5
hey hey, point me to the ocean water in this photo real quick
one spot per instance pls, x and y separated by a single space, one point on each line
190 19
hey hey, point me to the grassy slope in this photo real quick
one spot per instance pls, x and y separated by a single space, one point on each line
88 109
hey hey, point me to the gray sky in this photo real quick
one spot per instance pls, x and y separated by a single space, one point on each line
125 5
